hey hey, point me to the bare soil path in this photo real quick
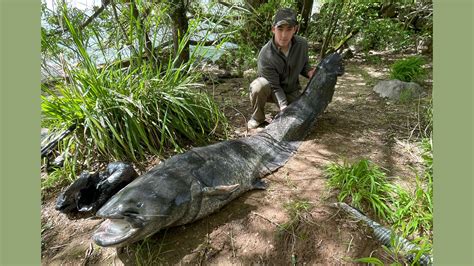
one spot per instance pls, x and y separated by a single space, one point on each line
291 221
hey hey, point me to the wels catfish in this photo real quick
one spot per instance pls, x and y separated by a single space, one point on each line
192 185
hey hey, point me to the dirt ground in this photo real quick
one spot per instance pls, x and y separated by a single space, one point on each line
259 227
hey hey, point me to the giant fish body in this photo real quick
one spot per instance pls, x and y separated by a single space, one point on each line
192 185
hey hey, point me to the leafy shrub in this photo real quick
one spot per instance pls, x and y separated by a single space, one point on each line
409 69
382 34
374 32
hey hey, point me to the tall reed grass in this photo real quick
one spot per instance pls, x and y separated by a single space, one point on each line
129 113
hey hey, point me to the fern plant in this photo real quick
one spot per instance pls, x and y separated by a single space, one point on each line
409 69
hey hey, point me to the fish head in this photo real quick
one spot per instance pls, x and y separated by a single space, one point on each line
332 63
139 210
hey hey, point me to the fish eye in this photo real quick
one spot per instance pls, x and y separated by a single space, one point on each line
139 204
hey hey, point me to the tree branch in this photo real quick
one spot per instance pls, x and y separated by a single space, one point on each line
105 3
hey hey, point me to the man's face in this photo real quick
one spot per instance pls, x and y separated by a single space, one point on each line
283 35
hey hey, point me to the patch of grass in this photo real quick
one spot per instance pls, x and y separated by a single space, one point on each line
397 256
414 210
426 122
409 69
363 184
146 252
59 177
408 212
296 210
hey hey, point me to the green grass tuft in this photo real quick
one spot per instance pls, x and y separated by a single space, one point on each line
363 184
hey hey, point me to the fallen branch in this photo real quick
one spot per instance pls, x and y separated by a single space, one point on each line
49 146
261 216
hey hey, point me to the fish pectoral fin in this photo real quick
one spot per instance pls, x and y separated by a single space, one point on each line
259 184
220 190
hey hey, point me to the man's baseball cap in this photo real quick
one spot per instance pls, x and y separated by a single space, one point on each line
285 16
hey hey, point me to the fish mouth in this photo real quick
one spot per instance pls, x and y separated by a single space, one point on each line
114 233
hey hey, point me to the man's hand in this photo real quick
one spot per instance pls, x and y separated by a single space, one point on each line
311 72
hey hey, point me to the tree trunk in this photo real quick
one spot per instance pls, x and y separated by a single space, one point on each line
304 8
180 27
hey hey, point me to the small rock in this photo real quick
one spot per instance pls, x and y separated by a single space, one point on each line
396 89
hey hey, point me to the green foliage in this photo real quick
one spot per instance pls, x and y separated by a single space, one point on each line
60 177
408 69
414 210
381 34
364 184
129 113
375 31
296 207
256 28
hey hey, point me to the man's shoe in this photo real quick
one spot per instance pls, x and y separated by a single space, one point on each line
251 124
